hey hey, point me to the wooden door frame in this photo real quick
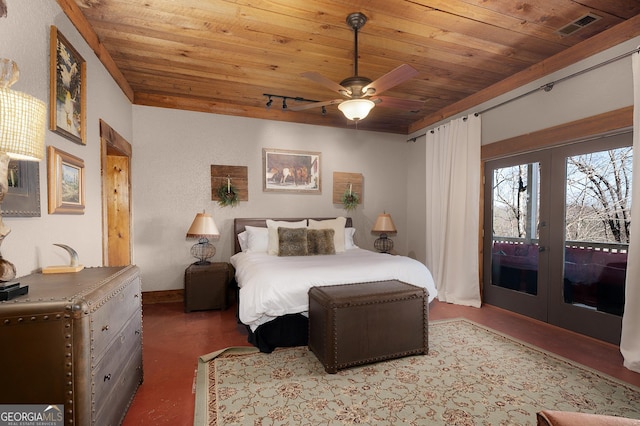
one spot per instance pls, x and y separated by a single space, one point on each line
111 143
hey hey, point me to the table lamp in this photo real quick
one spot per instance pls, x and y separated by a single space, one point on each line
22 130
203 228
384 224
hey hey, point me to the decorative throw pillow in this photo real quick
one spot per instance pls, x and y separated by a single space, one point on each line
320 241
292 242
337 225
273 225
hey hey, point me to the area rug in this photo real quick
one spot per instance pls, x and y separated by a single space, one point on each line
472 376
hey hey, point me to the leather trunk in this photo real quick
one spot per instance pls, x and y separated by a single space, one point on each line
354 324
207 286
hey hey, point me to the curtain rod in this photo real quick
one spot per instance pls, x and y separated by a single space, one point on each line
549 86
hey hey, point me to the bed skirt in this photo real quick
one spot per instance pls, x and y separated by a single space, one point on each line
285 331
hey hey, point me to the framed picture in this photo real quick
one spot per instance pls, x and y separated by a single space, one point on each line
23 197
291 171
66 182
67 98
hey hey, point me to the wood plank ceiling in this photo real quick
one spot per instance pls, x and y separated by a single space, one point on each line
221 56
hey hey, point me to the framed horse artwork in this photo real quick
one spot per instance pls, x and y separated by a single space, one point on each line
291 171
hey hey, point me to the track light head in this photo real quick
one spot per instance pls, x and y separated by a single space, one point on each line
284 103
324 110
269 102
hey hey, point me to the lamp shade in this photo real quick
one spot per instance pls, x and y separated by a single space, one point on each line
203 226
356 109
384 223
22 118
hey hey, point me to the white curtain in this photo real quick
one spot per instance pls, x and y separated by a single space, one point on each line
630 340
453 197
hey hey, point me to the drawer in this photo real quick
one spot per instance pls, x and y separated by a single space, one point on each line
107 321
108 372
116 403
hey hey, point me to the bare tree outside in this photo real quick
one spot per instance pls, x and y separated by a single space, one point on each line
513 192
598 197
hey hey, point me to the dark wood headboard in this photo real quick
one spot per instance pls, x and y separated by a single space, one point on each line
240 223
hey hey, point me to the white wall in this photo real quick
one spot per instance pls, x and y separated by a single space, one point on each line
416 200
24 38
594 92
172 158
590 93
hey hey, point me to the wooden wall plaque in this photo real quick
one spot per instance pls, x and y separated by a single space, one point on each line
238 176
341 181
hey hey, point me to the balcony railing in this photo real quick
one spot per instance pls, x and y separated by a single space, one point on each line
594 273
586 245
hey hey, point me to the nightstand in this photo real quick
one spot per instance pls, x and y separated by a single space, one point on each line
207 286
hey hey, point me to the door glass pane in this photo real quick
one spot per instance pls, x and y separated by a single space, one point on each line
597 225
514 254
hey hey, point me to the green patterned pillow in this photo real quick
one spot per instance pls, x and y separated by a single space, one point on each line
292 242
320 241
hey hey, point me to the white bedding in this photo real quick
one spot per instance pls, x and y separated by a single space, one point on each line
272 286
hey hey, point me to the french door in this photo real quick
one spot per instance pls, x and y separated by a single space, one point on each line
556 234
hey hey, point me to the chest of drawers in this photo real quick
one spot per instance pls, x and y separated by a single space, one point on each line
75 340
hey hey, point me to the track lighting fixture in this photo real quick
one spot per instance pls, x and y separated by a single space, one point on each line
285 107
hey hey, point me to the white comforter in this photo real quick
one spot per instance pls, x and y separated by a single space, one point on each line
271 286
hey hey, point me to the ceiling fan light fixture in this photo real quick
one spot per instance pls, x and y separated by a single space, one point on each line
356 109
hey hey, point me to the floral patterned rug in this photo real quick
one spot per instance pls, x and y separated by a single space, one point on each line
472 376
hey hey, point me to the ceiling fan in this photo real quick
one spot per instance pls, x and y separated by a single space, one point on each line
363 94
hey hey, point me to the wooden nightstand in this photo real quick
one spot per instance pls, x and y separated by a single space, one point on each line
207 286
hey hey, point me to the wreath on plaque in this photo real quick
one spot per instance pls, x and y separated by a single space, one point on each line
350 199
227 194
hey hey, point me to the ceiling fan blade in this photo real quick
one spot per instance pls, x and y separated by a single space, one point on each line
320 79
394 77
314 105
389 102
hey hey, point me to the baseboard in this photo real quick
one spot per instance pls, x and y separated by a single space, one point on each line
163 296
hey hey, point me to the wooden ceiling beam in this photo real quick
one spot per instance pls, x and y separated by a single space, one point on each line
73 12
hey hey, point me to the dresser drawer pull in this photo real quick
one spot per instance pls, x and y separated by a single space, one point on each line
107 377
105 327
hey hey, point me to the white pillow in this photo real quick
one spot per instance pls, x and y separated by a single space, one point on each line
258 239
337 225
243 240
348 238
272 226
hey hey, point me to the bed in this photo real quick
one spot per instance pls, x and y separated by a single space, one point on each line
273 285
